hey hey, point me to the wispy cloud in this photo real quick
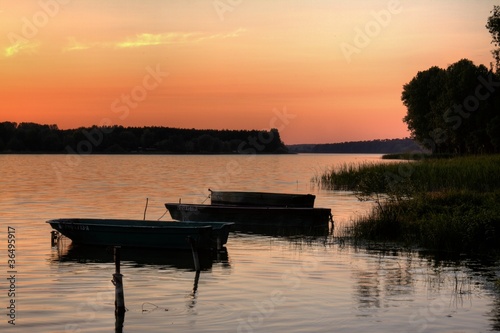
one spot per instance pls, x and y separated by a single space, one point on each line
74 45
21 47
157 39
148 39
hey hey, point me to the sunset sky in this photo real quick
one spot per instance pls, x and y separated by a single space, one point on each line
318 70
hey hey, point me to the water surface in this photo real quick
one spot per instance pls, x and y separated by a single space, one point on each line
261 283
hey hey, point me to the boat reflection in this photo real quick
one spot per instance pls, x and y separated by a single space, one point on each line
139 257
309 232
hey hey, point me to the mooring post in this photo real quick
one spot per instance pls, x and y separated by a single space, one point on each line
54 238
196 259
219 243
118 282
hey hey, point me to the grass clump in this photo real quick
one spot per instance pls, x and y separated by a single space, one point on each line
442 204
457 222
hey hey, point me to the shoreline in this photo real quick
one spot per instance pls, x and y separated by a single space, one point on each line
442 204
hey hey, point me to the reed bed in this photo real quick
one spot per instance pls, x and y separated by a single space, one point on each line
443 204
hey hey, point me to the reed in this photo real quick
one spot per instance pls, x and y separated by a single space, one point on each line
478 173
443 204
457 222
405 156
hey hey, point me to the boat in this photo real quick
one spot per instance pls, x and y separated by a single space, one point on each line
268 199
143 233
252 215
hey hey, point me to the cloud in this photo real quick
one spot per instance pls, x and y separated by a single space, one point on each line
233 34
157 39
21 46
148 39
74 45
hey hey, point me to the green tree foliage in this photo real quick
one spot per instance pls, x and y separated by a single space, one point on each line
451 110
421 97
31 137
493 27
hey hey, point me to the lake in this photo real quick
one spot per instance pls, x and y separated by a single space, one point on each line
261 283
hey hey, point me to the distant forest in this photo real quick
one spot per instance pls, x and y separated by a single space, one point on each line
36 138
360 147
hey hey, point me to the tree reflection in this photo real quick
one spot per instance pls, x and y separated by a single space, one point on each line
386 282
450 281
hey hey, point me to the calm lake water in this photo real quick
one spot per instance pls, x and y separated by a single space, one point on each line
261 284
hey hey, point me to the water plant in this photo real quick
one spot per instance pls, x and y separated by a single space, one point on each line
443 204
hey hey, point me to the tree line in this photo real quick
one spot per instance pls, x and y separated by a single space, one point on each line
457 109
37 138
360 147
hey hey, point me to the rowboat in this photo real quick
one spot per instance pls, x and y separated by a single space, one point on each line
143 233
269 199
252 216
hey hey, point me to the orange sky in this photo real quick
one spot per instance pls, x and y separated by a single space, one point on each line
300 66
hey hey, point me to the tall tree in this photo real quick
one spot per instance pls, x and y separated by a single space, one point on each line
448 111
422 96
493 26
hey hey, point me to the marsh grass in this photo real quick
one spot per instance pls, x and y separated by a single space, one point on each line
479 173
442 204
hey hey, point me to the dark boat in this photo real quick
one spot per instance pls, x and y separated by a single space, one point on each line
268 199
252 216
146 234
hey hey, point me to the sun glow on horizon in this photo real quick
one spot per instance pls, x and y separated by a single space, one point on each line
337 67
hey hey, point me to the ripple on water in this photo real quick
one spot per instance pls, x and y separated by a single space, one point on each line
264 284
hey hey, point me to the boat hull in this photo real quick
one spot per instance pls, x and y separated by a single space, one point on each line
255 199
252 216
146 234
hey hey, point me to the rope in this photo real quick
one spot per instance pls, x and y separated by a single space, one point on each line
208 197
155 307
166 210
331 220
146 208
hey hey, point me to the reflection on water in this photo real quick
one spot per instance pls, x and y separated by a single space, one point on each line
137 257
265 281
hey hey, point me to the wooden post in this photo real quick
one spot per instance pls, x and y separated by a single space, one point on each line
54 238
146 208
118 282
196 259
219 243
195 286
117 256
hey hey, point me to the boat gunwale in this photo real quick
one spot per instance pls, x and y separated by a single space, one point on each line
256 198
246 207
265 193
176 224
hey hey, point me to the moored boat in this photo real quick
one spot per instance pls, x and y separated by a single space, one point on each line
143 233
248 216
269 199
